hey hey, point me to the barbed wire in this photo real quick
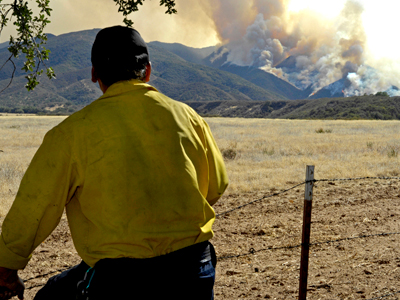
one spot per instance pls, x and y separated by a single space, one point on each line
43 275
297 185
253 251
357 178
257 200
384 296
329 286
35 286
354 238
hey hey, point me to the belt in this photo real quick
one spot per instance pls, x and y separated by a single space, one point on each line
201 252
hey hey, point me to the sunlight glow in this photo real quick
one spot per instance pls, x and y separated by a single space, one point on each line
379 20
328 9
381 24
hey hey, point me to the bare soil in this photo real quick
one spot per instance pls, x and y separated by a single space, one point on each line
359 268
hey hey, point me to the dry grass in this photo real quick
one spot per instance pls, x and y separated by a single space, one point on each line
20 136
264 154
260 154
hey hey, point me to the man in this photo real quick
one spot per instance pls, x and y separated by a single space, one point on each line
137 173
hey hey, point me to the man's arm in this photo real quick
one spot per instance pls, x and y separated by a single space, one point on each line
45 188
10 284
218 178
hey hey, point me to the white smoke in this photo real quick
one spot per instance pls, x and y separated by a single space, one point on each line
258 47
320 52
369 81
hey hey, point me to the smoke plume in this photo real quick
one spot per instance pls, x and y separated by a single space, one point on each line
301 48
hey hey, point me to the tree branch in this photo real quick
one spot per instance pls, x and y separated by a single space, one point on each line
13 73
126 7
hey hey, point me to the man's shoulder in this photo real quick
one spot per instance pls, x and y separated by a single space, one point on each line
75 120
177 105
100 108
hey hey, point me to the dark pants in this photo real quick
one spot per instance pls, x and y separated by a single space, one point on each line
188 273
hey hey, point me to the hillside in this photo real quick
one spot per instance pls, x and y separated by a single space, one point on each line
70 57
194 55
364 107
265 80
184 81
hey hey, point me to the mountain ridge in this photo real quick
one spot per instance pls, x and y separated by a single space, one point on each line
198 77
172 75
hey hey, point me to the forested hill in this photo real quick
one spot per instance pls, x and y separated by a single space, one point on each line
352 108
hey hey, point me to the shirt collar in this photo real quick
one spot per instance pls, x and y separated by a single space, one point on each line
124 86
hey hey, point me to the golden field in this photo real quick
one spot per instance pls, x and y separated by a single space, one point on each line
275 153
20 136
260 154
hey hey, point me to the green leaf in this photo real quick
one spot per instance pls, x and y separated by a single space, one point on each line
126 7
30 38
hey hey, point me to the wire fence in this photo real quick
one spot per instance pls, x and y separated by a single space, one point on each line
385 296
303 183
253 251
42 276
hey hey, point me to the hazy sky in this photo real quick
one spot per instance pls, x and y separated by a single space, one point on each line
379 18
193 25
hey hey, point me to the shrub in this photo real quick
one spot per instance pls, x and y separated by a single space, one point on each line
17 110
269 152
229 153
321 130
393 152
384 94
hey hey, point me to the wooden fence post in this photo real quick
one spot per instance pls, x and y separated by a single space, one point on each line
305 243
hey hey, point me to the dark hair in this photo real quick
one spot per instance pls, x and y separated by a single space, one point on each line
119 53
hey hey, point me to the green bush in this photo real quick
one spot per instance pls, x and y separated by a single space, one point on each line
229 154
384 94
321 130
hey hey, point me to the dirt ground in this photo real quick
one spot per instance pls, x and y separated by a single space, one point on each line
360 268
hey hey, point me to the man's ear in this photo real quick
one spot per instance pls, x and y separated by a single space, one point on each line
94 76
95 79
148 72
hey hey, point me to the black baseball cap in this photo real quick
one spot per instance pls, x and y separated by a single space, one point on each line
119 50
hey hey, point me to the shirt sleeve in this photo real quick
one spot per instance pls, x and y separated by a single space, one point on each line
218 178
37 209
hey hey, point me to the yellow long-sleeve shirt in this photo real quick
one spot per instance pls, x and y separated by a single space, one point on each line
137 173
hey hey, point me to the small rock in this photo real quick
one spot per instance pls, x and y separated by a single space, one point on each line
230 273
261 232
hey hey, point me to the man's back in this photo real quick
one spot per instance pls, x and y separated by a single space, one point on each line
140 164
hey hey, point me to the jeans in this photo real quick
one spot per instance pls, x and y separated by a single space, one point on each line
186 274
